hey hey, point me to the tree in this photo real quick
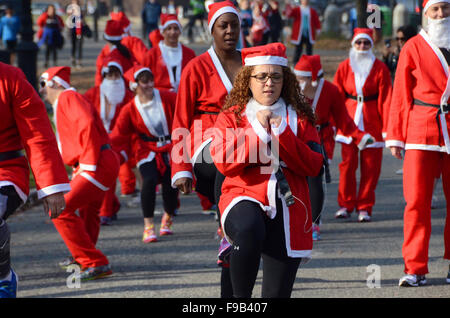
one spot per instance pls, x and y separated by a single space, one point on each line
361 9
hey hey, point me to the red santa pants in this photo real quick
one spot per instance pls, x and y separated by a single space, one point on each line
127 178
80 233
370 162
419 172
110 204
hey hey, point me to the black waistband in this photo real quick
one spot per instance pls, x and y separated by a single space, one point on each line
445 108
201 112
8 155
144 137
322 126
365 98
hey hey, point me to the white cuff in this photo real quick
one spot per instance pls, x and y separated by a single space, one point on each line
395 143
124 155
260 131
384 135
88 167
280 129
362 143
56 188
179 175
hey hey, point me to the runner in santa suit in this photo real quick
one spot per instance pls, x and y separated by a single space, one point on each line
25 126
84 144
265 111
329 107
108 99
364 82
306 27
169 56
129 49
419 123
149 115
204 84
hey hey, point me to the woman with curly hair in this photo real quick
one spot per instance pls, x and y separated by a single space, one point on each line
265 144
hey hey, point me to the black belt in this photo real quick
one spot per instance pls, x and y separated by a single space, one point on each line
102 147
322 126
364 98
144 137
8 155
201 112
443 109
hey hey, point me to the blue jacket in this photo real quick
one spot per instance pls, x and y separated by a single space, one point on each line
9 27
151 13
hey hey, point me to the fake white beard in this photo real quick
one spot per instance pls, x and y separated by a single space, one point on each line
114 90
361 61
439 32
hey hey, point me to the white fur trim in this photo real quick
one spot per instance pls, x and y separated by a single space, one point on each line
163 27
260 131
60 81
303 73
56 188
431 2
395 143
280 129
93 181
263 60
219 12
139 71
88 167
179 175
363 141
112 38
362 36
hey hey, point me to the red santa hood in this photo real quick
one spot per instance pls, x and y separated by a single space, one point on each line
168 19
123 19
111 61
428 3
132 74
113 30
362 33
58 74
309 66
216 9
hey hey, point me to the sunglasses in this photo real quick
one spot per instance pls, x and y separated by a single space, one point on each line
400 39
363 43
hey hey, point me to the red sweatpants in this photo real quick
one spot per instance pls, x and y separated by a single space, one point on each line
80 233
370 161
127 178
110 204
420 168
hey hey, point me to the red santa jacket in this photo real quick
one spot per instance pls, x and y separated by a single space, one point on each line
134 120
422 75
134 44
374 107
331 113
157 62
246 179
25 125
42 20
81 135
201 95
297 25
93 96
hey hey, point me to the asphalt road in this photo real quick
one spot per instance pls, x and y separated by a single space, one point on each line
352 260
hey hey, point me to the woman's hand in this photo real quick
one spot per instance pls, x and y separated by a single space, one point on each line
263 117
396 152
275 120
184 185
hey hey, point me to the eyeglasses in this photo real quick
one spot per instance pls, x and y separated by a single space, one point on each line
400 39
264 77
363 42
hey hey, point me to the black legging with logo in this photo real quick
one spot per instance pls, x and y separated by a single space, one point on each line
255 235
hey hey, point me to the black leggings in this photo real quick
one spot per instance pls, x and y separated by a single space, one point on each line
209 179
254 235
317 197
51 50
299 49
13 201
150 176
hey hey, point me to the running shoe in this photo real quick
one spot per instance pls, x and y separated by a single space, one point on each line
363 216
67 262
166 225
8 288
316 232
224 253
105 220
412 280
92 273
149 235
342 213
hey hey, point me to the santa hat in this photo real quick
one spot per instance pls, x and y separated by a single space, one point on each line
428 3
362 33
273 53
57 74
216 9
110 61
168 19
309 66
113 30
155 37
132 74
123 19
